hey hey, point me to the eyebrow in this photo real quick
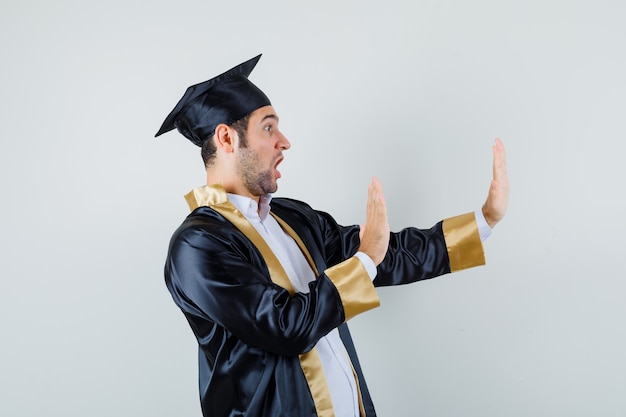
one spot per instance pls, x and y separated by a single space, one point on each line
269 116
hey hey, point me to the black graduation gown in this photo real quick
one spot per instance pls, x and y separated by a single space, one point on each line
252 333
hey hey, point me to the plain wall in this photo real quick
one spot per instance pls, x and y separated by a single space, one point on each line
413 92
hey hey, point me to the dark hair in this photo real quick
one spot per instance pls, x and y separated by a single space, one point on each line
208 147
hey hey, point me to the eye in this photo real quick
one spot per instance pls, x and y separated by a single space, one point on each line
267 128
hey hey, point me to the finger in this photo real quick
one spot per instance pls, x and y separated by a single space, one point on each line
371 203
371 196
379 208
378 188
499 161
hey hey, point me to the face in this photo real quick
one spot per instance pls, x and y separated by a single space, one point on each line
257 162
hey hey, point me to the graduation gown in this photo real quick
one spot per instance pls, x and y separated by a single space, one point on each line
256 336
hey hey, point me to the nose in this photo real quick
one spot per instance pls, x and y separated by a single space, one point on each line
283 142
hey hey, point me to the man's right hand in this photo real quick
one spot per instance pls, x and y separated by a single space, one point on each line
375 233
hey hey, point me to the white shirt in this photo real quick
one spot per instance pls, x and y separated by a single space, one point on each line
330 348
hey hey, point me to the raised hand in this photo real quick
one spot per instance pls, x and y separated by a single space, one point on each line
375 233
497 202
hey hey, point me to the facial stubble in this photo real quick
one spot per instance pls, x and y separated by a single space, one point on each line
257 180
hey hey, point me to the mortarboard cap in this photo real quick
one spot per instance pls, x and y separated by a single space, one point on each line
223 99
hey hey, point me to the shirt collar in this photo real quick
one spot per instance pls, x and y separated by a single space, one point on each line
249 207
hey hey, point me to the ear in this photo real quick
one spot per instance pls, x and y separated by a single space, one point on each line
224 138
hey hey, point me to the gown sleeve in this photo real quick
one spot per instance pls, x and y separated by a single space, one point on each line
215 273
417 254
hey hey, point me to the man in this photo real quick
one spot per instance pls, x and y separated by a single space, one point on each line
267 285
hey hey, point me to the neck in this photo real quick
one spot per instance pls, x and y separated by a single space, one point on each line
231 185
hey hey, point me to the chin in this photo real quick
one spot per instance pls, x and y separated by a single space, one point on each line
273 189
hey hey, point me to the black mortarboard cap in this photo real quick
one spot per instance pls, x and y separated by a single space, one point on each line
224 99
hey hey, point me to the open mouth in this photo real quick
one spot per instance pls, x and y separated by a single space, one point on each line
278 161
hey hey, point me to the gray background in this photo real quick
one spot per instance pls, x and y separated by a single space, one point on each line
413 92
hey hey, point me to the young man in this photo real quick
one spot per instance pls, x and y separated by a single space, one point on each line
267 285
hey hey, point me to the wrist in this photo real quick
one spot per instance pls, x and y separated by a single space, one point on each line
491 220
